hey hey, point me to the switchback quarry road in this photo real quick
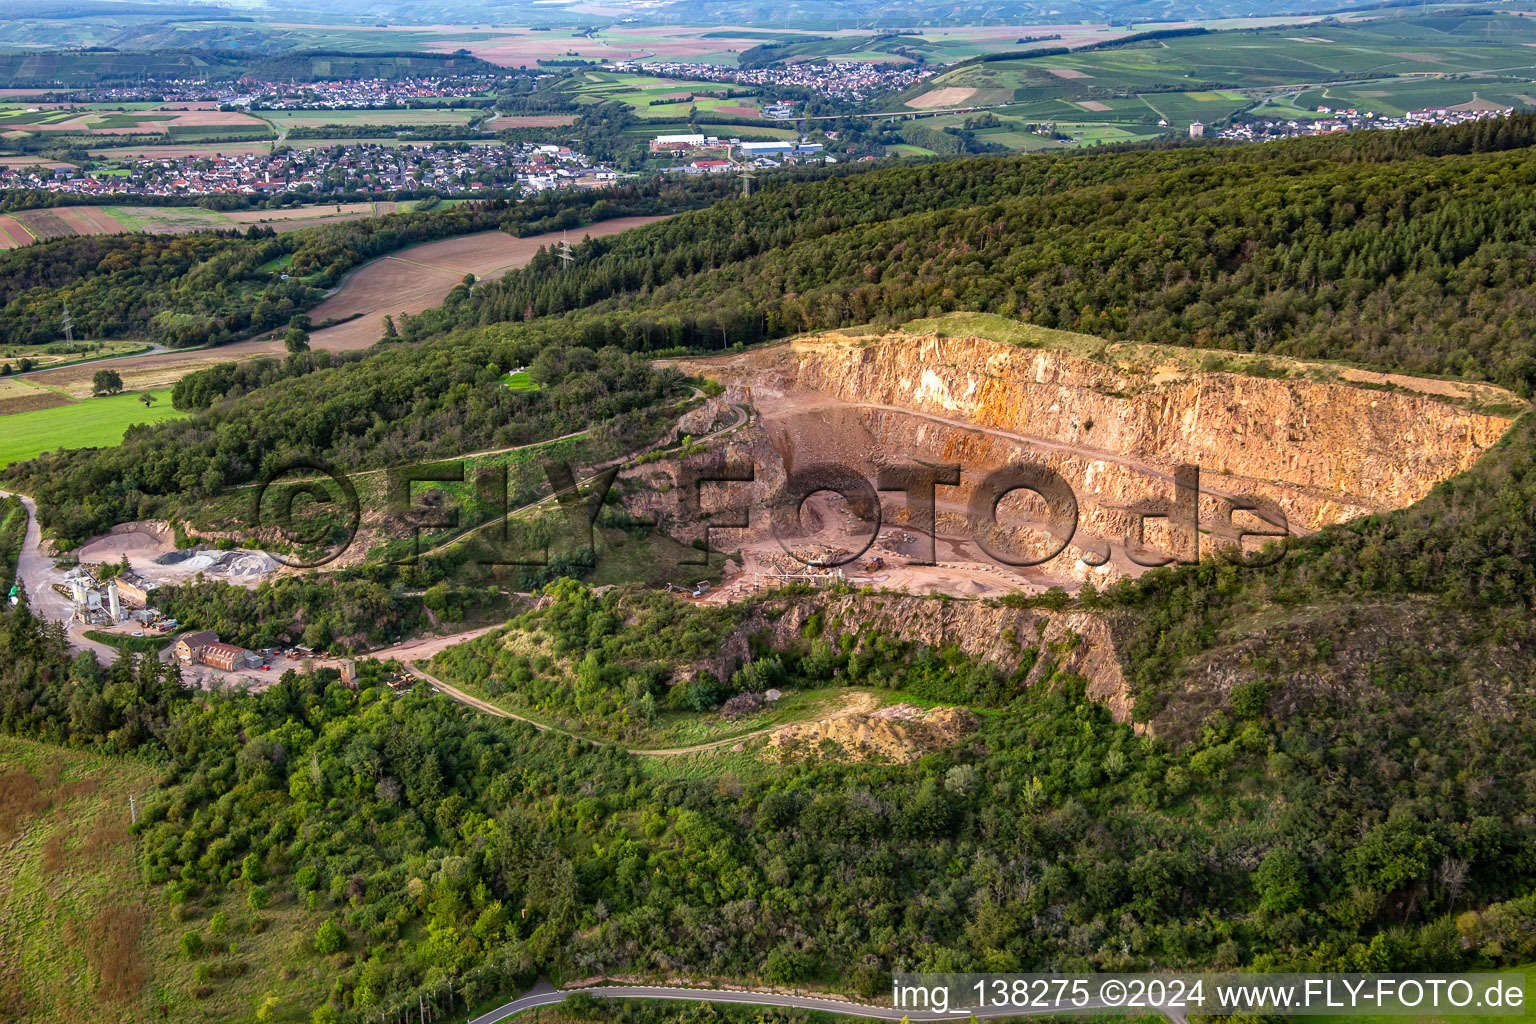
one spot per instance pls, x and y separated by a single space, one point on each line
544 995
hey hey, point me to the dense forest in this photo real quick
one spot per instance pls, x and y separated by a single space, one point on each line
399 406
444 845
210 288
1336 760
1403 249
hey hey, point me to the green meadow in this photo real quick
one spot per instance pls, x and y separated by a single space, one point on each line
92 423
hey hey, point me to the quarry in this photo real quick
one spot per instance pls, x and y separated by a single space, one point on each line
1279 444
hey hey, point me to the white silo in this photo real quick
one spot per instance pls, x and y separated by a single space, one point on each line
114 601
77 586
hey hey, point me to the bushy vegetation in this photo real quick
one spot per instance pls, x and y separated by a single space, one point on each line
1339 762
399 406
442 844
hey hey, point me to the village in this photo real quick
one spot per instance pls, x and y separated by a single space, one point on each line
343 94
854 81
446 168
1332 121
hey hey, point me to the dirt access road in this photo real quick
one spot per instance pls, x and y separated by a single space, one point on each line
35 571
409 281
858 703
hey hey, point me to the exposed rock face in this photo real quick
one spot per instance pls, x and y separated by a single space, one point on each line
1078 642
1324 451
1324 445
1350 446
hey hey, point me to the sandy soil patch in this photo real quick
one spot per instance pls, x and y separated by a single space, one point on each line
1068 73
141 543
1483 393
950 96
899 734
1092 105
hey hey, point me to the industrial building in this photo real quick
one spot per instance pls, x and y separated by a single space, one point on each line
662 143
134 589
205 648
752 150
190 647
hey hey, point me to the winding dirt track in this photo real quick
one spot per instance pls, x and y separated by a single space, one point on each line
858 704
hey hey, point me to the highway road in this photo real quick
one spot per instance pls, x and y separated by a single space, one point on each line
545 995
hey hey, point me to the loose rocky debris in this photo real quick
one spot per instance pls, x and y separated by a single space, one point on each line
897 734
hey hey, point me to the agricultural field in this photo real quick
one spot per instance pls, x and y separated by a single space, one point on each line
198 149
87 423
167 220
641 91
1423 60
650 129
284 119
415 279
408 281
66 353
28 226
177 120
17 395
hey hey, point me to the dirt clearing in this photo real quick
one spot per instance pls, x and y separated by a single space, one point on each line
1069 73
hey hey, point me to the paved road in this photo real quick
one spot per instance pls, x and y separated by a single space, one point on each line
152 350
544 996
35 569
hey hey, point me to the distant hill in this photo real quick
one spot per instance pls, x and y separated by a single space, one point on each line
76 68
